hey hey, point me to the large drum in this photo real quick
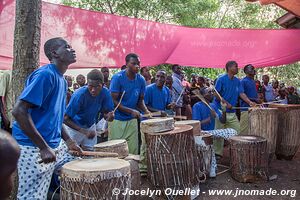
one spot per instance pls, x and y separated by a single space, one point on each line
94 179
115 146
171 158
194 123
264 122
288 137
204 148
248 158
157 125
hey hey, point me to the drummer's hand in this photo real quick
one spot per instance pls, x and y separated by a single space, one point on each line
76 150
110 116
135 114
228 106
47 155
172 105
91 134
163 114
252 104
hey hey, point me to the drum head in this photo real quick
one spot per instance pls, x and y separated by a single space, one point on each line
187 122
247 138
177 129
155 120
110 143
91 168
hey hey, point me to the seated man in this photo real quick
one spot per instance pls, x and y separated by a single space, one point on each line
83 109
207 117
157 98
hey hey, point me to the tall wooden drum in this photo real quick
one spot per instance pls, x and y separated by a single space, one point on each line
194 123
115 146
171 158
248 158
94 179
288 139
264 122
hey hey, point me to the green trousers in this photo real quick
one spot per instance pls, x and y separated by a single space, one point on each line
244 123
231 122
127 130
143 154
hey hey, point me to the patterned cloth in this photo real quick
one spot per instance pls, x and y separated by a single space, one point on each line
34 178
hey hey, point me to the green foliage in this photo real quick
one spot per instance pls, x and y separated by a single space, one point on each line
199 13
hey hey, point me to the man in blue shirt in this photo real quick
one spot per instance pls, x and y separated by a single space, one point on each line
84 107
38 129
230 88
207 115
157 98
249 87
130 83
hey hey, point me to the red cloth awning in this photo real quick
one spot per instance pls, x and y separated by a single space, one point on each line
104 40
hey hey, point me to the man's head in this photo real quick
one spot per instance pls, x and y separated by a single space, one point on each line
201 81
95 82
232 67
282 92
291 89
249 70
207 93
69 80
9 155
194 78
275 84
105 72
176 69
80 79
169 81
133 63
160 78
59 52
76 86
145 72
265 79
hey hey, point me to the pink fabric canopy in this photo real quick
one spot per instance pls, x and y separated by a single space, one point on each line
104 40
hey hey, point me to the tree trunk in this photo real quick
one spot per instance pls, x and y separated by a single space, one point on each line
26 42
27 39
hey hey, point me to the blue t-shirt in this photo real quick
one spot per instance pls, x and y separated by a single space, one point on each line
229 89
46 89
133 90
157 98
202 112
249 88
83 108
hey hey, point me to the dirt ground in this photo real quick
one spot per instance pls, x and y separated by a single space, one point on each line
288 178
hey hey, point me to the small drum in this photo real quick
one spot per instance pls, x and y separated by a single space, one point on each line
94 179
194 123
171 158
204 148
288 139
115 146
157 125
264 122
248 158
